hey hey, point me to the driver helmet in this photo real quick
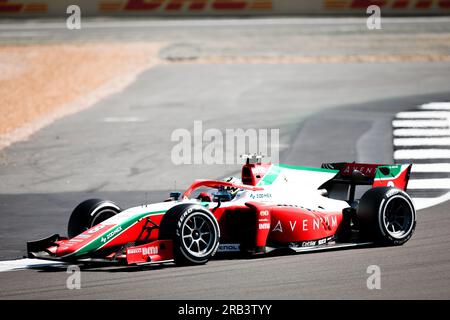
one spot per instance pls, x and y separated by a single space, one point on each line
232 190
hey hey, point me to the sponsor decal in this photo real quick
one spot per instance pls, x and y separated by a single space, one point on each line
83 236
264 226
264 213
327 221
305 225
74 241
278 227
229 247
389 194
309 243
260 195
145 251
364 169
150 250
312 243
292 225
134 250
309 224
96 228
111 234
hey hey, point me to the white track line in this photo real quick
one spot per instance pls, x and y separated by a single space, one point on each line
429 184
436 106
122 119
424 134
422 154
204 22
423 114
21 264
431 167
401 142
420 132
420 123
422 203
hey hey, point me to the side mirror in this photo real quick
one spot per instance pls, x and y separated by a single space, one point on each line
175 195
221 196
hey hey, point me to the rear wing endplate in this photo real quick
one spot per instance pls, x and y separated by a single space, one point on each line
377 175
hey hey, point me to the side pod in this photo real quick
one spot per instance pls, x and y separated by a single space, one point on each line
263 222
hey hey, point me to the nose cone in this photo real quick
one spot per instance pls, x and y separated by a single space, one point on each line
88 241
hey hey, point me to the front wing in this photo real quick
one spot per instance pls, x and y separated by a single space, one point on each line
155 252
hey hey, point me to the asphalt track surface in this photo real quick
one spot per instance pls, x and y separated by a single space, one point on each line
325 112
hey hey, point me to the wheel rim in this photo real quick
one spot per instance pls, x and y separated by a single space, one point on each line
398 217
198 235
102 216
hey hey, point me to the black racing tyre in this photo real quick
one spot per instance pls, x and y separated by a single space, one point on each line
194 231
90 213
386 215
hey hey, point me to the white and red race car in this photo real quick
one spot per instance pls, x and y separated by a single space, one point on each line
271 208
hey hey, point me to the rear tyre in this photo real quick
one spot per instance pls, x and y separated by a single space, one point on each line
386 216
90 213
194 231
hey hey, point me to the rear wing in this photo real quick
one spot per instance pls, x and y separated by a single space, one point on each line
377 175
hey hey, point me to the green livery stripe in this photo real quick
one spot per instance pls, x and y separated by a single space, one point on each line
394 172
275 171
97 243
205 204
287 166
270 176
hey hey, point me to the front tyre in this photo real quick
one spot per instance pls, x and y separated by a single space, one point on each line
194 231
90 213
387 216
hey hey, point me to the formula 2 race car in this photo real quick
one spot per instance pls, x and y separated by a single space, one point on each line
272 208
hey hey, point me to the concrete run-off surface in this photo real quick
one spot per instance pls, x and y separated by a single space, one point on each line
40 83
